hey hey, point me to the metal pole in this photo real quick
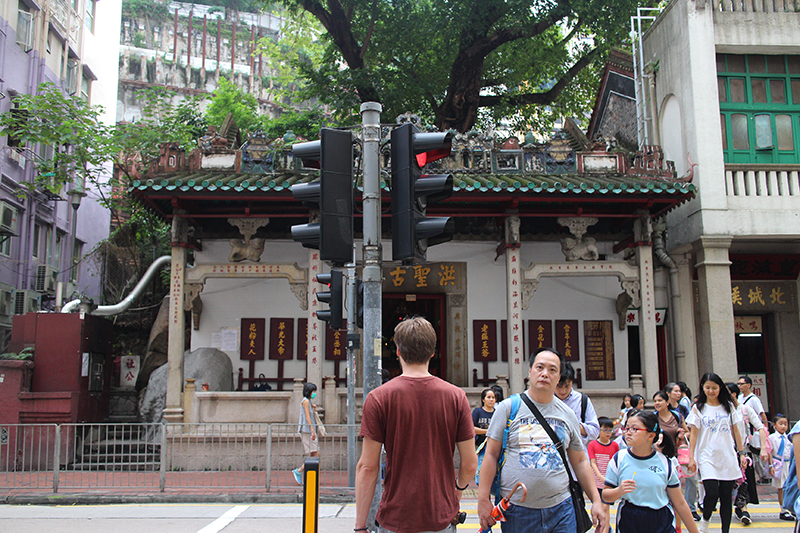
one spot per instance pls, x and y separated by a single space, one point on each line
352 346
373 257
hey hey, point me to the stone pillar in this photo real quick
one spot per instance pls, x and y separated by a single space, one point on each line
293 416
190 402
516 357
331 401
173 412
316 328
648 344
717 346
686 363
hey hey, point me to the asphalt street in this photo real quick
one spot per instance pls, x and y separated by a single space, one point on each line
240 518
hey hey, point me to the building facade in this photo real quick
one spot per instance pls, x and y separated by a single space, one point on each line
719 82
72 44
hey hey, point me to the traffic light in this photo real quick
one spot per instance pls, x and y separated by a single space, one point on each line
333 194
334 298
412 192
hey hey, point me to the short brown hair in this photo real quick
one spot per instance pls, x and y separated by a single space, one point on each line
415 339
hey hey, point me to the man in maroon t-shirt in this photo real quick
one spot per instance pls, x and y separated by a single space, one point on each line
419 419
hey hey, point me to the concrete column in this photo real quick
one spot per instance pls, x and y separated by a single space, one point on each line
717 346
684 320
190 402
331 401
648 345
316 328
173 413
516 356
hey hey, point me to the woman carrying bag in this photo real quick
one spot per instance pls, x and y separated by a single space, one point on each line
307 427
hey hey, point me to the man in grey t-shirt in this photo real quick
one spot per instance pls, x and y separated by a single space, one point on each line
532 458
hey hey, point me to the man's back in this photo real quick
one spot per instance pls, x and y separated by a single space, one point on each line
419 420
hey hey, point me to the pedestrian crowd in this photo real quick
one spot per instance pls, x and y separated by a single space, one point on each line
536 456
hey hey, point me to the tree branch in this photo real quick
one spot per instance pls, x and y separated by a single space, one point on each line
547 97
368 37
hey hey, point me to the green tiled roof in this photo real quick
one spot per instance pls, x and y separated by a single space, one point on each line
577 184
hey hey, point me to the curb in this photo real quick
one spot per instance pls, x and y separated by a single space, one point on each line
119 499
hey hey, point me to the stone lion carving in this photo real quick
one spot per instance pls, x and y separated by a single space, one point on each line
247 249
580 249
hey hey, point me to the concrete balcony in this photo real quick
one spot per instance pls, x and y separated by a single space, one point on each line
763 187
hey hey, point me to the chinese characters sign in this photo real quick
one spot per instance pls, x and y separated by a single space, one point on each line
763 295
567 339
335 344
281 338
540 334
430 277
128 370
747 324
251 342
598 337
484 339
302 339
765 267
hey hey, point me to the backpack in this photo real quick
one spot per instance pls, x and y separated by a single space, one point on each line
501 460
791 493
584 404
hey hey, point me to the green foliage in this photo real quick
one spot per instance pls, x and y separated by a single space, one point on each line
153 9
228 98
25 355
303 123
529 60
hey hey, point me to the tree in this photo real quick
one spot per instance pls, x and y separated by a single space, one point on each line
228 98
453 60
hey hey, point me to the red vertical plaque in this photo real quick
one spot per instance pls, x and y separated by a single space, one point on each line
281 338
252 340
567 339
540 334
484 339
335 344
302 339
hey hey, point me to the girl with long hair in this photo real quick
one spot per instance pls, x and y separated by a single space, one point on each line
645 478
307 427
714 442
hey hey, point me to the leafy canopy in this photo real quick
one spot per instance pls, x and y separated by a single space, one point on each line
455 61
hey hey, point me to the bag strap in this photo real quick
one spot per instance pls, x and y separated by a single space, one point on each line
584 405
550 433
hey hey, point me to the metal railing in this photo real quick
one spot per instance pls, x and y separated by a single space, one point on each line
158 457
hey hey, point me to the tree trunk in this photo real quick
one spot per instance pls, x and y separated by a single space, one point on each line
459 110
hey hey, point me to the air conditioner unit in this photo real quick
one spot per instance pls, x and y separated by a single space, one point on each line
26 301
8 218
46 278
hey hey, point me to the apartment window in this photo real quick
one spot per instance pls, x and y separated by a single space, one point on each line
759 102
5 246
37 241
20 116
85 88
88 18
24 27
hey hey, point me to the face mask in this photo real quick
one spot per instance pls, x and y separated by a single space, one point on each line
313 395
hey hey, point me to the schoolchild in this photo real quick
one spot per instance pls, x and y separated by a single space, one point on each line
601 451
781 452
646 480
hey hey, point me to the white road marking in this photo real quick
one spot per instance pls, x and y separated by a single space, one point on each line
222 522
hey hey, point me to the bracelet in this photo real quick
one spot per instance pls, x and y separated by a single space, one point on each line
361 529
461 488
742 452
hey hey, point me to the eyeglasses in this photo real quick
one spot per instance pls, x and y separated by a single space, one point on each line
632 429
742 383
607 430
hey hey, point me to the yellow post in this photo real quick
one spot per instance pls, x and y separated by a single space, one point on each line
311 495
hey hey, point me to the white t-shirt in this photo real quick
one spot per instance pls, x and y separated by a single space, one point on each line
754 402
715 451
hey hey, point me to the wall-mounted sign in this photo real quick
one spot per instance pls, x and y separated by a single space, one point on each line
598 336
335 344
747 324
281 338
129 370
540 334
567 339
484 340
251 347
302 339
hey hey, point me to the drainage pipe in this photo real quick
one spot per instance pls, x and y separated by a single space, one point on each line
674 288
110 310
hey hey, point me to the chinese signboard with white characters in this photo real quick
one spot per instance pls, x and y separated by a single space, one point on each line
567 339
129 366
598 336
484 340
252 339
281 338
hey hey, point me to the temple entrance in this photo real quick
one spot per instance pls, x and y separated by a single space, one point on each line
396 307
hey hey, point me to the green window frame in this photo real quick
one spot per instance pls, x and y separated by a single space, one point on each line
759 103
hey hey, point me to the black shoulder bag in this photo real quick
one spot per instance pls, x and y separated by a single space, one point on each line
582 518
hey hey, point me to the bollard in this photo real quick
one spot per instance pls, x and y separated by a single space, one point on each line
311 495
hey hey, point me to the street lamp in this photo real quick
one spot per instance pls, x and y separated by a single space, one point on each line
75 197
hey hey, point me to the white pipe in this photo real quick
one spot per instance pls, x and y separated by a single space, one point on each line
661 254
121 307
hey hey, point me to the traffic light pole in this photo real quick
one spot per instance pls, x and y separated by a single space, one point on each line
373 258
352 346
373 251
